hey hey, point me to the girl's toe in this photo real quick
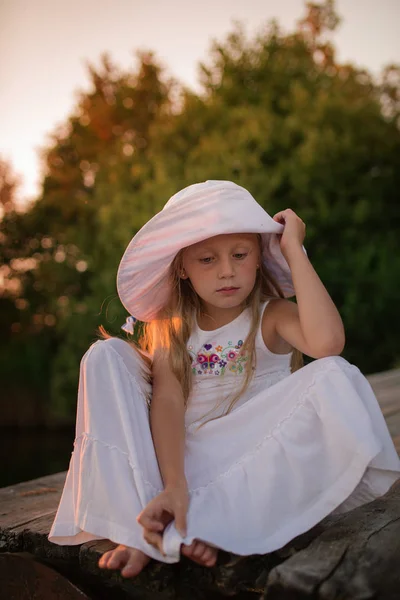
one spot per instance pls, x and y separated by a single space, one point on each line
187 550
137 561
212 560
208 554
104 559
129 570
118 559
199 550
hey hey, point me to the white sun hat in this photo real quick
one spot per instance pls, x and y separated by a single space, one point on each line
199 211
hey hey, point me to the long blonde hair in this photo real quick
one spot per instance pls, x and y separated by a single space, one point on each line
172 329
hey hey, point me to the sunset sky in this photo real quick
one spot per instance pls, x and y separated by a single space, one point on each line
44 45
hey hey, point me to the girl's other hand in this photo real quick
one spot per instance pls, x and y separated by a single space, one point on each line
171 504
294 231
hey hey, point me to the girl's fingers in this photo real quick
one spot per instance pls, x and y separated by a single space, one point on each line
150 523
150 515
284 214
280 218
154 539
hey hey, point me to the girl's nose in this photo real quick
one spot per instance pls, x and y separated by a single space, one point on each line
226 268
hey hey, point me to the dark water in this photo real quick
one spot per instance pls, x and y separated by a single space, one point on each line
28 454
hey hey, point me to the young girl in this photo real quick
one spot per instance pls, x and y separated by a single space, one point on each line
212 434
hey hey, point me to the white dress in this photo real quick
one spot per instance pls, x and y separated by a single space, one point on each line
295 448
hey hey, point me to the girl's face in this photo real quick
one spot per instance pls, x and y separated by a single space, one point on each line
223 269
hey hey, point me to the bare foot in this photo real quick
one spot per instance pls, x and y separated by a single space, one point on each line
130 560
201 553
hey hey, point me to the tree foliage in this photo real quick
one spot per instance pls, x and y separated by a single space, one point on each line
277 114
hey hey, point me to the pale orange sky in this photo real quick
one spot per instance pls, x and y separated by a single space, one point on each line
44 45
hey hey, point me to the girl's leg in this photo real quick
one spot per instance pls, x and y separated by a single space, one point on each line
113 471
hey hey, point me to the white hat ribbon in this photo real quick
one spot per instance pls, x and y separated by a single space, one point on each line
129 324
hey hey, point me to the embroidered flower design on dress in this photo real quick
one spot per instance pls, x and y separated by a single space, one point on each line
216 360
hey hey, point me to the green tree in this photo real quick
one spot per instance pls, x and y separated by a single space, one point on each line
71 236
282 117
278 114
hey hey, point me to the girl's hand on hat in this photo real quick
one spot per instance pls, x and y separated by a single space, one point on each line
294 232
171 504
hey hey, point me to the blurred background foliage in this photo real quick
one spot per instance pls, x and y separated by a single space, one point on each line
277 114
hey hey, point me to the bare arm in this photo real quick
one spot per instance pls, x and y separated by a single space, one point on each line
167 421
314 325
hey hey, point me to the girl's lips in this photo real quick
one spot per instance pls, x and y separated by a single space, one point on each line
227 290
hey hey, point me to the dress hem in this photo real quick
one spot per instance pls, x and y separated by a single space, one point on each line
100 528
64 533
345 485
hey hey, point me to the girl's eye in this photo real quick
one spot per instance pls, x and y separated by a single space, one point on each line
208 259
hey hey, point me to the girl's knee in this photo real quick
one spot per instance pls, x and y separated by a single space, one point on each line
334 362
96 355
112 347
116 355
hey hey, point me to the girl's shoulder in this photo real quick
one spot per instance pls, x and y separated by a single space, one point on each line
274 305
274 309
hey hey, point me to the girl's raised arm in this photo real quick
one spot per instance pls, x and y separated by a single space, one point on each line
313 326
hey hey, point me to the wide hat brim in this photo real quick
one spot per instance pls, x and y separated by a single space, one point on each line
197 212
